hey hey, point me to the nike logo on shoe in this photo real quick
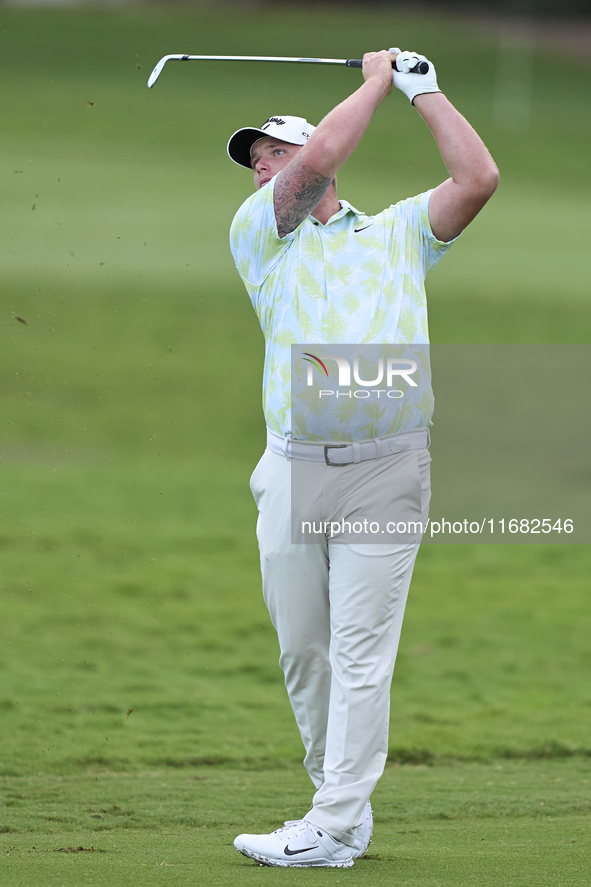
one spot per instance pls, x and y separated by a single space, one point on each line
289 852
271 850
357 230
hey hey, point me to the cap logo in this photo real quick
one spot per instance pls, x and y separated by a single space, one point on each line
271 120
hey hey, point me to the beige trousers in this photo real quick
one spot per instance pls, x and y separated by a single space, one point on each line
338 610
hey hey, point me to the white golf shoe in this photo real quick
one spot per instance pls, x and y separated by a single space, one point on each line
297 845
362 834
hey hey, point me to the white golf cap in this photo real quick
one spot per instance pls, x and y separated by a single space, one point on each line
295 130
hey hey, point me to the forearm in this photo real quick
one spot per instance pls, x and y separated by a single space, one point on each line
474 175
462 150
302 185
338 134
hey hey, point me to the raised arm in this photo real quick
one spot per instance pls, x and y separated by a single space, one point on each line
473 173
303 183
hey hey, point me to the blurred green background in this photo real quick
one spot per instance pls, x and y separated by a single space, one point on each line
133 629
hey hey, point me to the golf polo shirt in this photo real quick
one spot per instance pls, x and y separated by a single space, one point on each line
357 279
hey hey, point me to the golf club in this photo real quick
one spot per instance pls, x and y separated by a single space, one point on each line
420 68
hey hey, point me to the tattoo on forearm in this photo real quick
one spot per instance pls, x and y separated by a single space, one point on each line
298 190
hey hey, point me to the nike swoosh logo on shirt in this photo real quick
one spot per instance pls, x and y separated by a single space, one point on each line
289 852
357 230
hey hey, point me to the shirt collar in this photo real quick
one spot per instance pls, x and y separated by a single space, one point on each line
346 207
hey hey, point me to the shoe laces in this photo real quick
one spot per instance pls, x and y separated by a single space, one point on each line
295 827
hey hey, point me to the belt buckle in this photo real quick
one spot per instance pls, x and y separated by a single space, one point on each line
334 447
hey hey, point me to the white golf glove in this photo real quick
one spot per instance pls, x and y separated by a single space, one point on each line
413 84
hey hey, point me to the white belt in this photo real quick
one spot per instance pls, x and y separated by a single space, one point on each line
348 453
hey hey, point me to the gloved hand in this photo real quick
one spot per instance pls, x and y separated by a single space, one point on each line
412 84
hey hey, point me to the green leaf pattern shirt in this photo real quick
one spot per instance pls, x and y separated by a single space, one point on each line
357 279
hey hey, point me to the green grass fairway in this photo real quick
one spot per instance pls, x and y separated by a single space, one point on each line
142 711
510 823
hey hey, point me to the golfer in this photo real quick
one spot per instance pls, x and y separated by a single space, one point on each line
319 272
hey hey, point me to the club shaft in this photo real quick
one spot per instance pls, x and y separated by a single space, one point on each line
349 63
236 58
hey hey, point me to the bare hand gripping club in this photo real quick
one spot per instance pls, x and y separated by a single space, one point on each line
420 68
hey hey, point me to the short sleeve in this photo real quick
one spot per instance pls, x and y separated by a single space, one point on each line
254 240
413 214
434 249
